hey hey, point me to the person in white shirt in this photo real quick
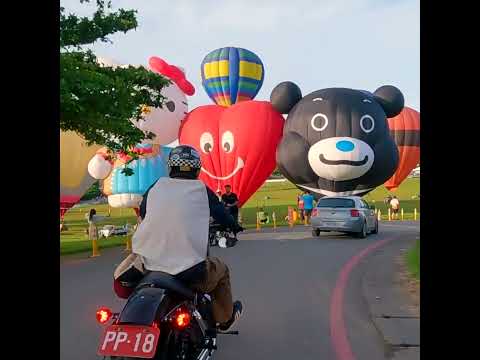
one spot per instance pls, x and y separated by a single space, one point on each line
172 236
395 206
93 219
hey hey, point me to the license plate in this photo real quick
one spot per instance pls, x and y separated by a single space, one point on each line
129 340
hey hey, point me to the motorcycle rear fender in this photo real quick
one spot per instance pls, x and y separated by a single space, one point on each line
142 307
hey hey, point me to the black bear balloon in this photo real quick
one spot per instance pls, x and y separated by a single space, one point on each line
336 141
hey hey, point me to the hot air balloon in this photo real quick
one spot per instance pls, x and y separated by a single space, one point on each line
231 75
74 177
127 191
237 144
405 130
336 141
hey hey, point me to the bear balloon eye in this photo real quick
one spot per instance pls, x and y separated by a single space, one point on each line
206 142
170 106
319 122
227 141
367 123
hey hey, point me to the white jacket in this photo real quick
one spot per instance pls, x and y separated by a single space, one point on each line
173 236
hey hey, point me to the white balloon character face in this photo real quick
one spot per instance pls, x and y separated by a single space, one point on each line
165 122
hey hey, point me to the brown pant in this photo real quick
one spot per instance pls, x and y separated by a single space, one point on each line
217 285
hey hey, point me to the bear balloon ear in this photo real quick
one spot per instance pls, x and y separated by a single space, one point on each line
285 96
391 99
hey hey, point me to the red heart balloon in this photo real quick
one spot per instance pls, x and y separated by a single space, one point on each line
237 144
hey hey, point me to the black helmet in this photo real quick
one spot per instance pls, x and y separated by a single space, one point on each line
184 162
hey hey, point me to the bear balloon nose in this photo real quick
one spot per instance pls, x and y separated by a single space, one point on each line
345 145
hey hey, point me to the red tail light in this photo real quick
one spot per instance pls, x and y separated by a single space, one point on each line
103 315
181 318
354 213
315 212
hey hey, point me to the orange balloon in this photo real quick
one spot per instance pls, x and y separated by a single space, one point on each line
405 130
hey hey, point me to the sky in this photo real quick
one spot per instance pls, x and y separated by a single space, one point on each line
359 44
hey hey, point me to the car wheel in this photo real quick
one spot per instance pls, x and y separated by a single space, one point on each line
363 233
375 230
315 232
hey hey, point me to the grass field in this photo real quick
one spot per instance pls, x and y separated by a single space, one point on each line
275 197
413 260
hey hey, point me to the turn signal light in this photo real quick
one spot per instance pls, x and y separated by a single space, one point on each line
354 213
103 315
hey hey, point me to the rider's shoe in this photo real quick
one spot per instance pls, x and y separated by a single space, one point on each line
237 312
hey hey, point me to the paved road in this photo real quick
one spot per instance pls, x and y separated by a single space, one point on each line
290 284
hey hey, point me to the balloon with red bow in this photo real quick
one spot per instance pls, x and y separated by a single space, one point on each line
237 144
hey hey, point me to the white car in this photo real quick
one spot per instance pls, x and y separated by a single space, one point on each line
350 214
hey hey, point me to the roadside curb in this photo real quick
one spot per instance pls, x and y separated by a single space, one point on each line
389 304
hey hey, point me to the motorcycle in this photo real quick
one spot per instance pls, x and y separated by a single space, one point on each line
221 236
163 320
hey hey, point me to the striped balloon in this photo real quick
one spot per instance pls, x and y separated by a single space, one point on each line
231 75
405 131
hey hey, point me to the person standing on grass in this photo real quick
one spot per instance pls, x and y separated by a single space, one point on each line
307 206
300 206
93 219
230 199
395 206
387 200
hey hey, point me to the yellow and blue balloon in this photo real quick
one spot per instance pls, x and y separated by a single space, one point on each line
231 75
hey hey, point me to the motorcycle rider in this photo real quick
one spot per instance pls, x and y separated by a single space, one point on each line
173 234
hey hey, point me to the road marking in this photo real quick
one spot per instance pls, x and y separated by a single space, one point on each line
338 332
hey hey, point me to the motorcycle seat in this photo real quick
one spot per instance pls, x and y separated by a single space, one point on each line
167 282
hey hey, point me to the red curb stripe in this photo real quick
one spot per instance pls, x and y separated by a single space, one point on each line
338 332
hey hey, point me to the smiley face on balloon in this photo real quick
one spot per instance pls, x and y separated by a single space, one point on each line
237 144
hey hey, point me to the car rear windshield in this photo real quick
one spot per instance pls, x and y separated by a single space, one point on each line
336 203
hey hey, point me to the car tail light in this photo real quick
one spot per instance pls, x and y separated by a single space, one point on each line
354 213
315 212
181 318
103 315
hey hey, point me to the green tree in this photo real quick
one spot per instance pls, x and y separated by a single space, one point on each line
102 103
93 192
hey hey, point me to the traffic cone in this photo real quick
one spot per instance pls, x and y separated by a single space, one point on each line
379 214
274 218
389 215
402 213
415 214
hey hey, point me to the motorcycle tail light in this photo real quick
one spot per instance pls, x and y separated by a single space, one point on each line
354 213
103 315
181 318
